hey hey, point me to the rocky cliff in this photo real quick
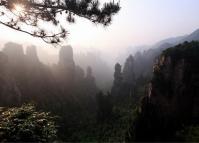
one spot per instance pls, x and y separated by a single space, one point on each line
173 95
23 78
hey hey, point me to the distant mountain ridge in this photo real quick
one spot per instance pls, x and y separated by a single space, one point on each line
194 36
144 60
172 40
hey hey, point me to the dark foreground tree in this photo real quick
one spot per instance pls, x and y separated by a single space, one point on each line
25 124
31 16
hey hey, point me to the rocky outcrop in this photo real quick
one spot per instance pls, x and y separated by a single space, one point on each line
90 85
31 54
9 91
66 57
23 78
173 96
66 64
3 62
14 52
118 78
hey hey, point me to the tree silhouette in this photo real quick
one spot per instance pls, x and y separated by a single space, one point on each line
29 16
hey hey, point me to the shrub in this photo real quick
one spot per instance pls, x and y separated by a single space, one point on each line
189 134
25 124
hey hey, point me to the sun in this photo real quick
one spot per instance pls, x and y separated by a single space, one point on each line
19 8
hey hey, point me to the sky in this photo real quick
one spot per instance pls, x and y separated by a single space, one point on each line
140 22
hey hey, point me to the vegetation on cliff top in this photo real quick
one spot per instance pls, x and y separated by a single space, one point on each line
25 124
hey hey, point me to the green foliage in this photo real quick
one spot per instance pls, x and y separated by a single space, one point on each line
35 11
117 118
187 50
118 129
104 110
24 124
173 99
111 122
189 134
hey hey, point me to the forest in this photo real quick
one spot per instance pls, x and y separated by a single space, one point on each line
151 96
69 106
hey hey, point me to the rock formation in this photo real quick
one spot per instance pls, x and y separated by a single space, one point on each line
31 54
9 91
91 87
118 78
23 78
129 76
66 58
173 96
66 67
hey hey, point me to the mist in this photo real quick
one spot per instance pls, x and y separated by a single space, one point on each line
85 71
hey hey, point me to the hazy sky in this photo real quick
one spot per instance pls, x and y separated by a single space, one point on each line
139 22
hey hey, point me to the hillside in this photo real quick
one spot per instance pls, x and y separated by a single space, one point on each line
172 100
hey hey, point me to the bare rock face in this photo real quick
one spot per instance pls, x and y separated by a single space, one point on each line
23 78
66 57
9 91
16 60
173 96
90 82
15 67
3 62
66 68
14 52
66 63
31 54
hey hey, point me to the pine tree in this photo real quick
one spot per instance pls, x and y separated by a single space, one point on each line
28 16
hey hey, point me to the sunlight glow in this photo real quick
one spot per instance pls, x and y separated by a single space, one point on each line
19 8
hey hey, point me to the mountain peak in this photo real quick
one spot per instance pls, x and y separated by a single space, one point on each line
194 36
196 31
